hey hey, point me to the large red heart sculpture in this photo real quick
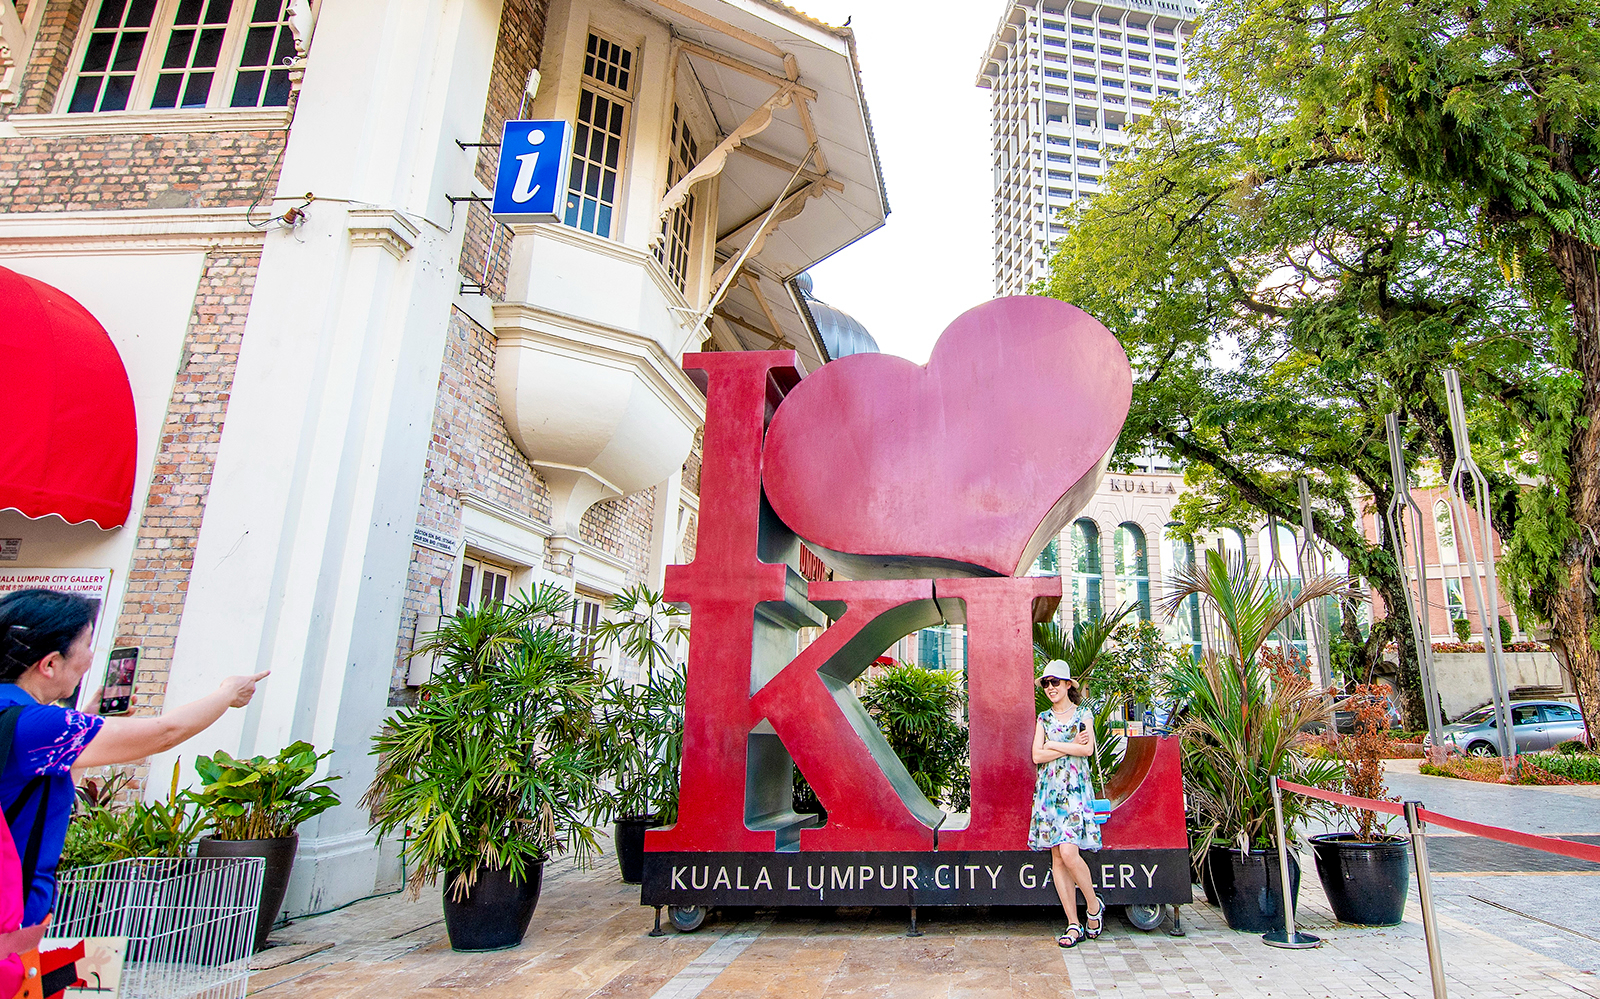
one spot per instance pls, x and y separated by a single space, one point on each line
965 466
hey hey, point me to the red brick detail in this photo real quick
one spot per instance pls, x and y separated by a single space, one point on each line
622 528
169 524
169 170
522 24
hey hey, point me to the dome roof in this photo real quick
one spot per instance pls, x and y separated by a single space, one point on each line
840 331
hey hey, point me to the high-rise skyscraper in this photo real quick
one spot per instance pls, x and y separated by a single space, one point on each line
1067 80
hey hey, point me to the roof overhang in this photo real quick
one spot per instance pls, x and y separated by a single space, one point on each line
795 186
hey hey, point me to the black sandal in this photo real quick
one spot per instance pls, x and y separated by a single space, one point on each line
1072 938
1096 922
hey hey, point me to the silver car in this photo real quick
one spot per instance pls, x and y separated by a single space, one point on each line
1535 724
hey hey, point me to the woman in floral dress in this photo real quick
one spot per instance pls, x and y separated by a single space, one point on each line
1063 798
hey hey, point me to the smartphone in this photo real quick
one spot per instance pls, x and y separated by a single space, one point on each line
116 695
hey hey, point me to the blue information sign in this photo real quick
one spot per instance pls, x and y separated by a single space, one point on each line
531 180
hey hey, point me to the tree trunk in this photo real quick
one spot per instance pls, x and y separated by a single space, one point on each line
1572 611
1396 627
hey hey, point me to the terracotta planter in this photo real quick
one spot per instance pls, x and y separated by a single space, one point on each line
1366 883
279 855
495 914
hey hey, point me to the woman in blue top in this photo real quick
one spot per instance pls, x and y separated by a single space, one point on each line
1063 798
46 647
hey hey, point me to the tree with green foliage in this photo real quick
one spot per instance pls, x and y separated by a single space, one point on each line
1490 108
1276 312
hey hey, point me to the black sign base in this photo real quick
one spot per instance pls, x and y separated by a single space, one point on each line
1121 877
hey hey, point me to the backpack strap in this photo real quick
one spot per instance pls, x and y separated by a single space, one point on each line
39 785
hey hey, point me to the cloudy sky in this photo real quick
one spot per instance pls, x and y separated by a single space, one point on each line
932 261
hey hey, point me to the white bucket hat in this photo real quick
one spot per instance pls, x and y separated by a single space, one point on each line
1057 668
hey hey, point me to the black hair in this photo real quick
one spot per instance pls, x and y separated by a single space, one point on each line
35 623
1074 690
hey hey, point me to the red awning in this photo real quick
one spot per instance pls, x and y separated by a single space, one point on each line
68 439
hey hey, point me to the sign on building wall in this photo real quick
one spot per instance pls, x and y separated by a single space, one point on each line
531 179
92 583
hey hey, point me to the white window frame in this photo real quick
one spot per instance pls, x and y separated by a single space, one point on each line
624 98
155 47
477 563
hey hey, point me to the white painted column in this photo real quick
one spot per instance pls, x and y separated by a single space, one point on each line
302 557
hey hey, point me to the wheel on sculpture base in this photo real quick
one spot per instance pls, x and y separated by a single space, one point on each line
1146 917
687 918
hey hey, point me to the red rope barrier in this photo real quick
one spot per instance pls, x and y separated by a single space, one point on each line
1548 844
1390 807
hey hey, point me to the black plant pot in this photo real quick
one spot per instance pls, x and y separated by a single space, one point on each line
1248 889
279 855
1208 885
630 845
495 914
1366 883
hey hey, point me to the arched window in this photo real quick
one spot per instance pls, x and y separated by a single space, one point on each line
1231 543
1133 568
1177 556
1444 528
1085 571
1049 561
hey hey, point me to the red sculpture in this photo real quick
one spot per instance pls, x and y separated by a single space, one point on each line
896 473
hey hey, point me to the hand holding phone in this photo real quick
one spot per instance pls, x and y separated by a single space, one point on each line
116 693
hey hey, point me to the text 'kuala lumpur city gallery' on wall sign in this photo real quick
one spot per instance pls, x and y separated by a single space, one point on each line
932 488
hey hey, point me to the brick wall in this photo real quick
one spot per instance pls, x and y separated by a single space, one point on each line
522 25
171 170
169 524
469 452
622 528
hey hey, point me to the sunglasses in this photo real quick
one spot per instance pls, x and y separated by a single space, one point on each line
1051 681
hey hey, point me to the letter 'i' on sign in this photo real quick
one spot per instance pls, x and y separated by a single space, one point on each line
531 179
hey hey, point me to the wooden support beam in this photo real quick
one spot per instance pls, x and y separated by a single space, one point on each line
753 282
714 161
735 63
716 24
777 341
783 164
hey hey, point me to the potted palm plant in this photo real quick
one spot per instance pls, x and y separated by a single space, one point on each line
646 719
1243 727
499 765
253 808
1365 871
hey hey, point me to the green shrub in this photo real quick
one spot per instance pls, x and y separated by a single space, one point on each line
1585 768
1572 747
917 710
262 797
1463 628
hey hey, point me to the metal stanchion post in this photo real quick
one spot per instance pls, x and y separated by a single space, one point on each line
1430 928
1287 937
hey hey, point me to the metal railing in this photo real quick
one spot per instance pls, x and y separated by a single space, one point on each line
190 922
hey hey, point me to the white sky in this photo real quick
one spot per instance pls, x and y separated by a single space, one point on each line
933 260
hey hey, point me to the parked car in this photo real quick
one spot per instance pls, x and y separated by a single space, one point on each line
1535 724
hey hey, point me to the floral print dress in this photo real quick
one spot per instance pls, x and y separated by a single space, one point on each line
1063 798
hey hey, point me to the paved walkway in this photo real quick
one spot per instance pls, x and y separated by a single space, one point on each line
588 940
